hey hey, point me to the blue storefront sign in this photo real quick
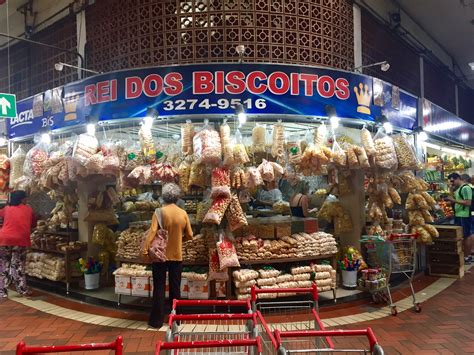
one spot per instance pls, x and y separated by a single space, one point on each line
212 89
445 124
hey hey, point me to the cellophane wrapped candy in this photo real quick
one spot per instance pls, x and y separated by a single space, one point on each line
207 146
187 134
405 153
17 162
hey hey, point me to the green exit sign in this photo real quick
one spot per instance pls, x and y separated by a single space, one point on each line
7 105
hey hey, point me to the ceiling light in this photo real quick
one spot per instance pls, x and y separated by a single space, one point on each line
444 126
46 138
334 122
3 141
387 126
385 66
59 66
422 136
471 65
241 115
151 114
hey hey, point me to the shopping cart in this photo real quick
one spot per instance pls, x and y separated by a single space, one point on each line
211 327
116 345
287 315
395 255
284 339
241 346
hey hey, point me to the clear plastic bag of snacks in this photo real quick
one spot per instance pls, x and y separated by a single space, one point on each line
17 162
187 134
227 253
86 146
385 154
278 147
207 145
240 153
258 138
35 159
367 141
227 147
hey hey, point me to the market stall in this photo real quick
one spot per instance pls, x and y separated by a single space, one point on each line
223 149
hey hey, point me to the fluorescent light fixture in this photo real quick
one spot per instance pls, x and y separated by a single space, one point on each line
471 65
432 146
445 126
3 141
324 129
45 138
422 136
151 114
453 151
90 129
464 136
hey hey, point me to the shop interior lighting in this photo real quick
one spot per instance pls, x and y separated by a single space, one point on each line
387 126
384 66
91 124
3 141
422 136
324 129
471 65
90 129
151 115
241 115
46 138
332 116
60 66
444 126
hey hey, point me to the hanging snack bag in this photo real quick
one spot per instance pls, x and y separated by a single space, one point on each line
235 215
405 153
215 272
17 162
220 181
362 157
385 154
294 150
207 145
278 147
227 253
254 177
217 210
35 159
133 157
227 148
367 142
197 175
111 159
258 138
240 153
147 143
187 134
320 135
86 146
339 157
184 171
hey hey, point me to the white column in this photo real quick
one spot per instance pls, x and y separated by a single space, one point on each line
81 36
357 36
456 99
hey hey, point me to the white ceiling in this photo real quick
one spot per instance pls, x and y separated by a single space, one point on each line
451 24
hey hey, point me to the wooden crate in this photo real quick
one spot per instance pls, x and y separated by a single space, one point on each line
441 270
449 231
443 258
446 246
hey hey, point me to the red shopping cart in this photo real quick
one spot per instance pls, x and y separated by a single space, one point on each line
288 327
216 327
116 345
239 346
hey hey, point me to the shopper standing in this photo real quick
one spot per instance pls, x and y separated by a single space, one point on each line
176 222
18 219
462 210
299 202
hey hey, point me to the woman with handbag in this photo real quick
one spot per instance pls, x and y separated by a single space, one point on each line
163 245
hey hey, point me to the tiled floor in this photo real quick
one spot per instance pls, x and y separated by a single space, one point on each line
443 327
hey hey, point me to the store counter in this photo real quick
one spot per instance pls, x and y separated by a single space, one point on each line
278 226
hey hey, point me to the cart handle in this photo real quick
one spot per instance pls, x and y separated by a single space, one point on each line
242 303
409 235
267 329
217 316
329 333
321 326
313 291
160 345
116 345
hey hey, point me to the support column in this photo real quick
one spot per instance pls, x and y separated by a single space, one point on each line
456 99
357 36
81 37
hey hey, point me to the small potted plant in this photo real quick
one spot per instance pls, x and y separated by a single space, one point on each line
91 270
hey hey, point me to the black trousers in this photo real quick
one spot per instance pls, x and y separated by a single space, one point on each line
174 269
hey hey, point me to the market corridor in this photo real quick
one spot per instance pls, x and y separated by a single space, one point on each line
443 327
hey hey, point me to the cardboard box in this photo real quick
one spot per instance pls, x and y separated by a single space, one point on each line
198 290
123 285
184 288
221 289
283 230
141 286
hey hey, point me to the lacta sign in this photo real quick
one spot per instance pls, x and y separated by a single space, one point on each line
23 118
